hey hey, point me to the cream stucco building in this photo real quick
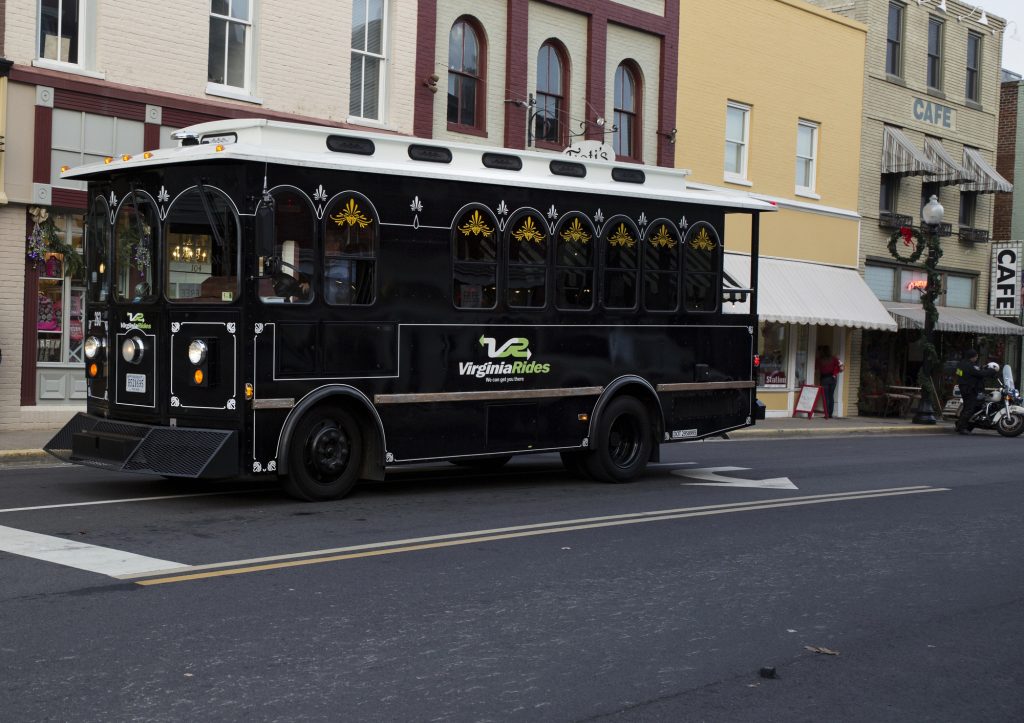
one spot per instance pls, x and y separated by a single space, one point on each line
780 119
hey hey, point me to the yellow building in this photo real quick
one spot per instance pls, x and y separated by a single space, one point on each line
775 112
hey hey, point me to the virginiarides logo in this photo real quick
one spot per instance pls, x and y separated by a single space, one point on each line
504 369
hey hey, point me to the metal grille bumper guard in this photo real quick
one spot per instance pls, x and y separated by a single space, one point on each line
146 449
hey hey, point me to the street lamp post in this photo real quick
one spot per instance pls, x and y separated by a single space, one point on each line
931 218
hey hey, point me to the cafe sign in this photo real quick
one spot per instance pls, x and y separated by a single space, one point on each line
1004 294
934 114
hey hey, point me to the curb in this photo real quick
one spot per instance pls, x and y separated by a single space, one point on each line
833 431
23 454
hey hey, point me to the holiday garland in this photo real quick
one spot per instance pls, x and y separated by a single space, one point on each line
45 238
929 243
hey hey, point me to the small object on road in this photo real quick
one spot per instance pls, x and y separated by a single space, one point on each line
821 650
768 671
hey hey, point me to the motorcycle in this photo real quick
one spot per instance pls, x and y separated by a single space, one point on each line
1003 408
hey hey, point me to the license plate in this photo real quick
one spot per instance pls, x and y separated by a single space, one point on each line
135 383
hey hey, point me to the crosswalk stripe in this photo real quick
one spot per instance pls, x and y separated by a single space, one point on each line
80 555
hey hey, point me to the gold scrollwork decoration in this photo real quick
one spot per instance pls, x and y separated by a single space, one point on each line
351 216
528 231
663 238
575 232
621 237
702 241
476 225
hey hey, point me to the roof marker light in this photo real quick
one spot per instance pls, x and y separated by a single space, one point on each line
219 147
126 157
65 169
147 155
108 160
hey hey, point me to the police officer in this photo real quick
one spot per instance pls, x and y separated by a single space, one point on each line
971 379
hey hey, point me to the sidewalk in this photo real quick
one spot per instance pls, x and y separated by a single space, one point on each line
27 444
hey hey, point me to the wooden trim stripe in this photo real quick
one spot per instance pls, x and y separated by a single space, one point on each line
562 392
486 396
704 386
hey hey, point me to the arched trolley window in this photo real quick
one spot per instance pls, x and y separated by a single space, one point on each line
475 259
528 242
291 279
621 263
351 234
136 239
702 267
201 248
661 266
574 263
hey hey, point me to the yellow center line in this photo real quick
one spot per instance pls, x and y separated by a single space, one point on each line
524 533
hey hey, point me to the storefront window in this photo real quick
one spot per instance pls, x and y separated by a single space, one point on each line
959 291
912 284
802 333
879 279
61 298
773 347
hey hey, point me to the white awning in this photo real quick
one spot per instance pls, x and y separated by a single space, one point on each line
901 157
984 178
950 171
911 316
802 292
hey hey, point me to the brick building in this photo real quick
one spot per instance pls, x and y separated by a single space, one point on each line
84 79
1008 222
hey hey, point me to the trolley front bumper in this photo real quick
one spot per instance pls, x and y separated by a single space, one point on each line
146 449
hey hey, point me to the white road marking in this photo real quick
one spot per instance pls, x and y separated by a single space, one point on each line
584 523
92 558
134 499
713 479
200 572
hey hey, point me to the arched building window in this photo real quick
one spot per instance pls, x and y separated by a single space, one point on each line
466 75
628 122
551 110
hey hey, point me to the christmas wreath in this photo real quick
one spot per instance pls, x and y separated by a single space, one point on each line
910 237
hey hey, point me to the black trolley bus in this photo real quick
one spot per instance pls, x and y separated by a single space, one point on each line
276 299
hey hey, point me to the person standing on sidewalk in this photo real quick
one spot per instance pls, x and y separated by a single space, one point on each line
829 368
971 379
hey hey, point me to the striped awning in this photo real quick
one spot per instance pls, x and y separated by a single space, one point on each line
803 292
902 158
911 316
984 178
950 171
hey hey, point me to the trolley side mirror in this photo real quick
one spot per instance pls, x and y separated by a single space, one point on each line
265 237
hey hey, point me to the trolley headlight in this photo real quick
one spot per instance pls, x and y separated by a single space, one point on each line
132 349
92 347
197 351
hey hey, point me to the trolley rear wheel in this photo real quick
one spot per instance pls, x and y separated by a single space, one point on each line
623 442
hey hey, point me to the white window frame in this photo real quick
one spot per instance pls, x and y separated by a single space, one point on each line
382 56
238 92
743 143
808 191
86 36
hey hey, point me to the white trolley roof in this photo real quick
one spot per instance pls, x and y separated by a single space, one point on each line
270 141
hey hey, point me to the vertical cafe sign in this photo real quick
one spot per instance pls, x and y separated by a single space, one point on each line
1005 291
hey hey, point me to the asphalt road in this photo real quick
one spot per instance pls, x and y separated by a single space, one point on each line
882 578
